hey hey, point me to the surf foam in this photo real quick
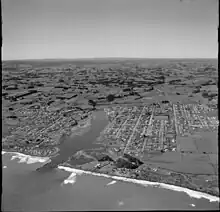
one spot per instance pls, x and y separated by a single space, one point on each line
71 179
191 193
120 203
27 158
111 183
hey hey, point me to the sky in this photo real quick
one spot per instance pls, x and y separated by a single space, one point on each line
40 29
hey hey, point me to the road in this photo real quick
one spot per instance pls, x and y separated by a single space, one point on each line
122 125
177 132
149 128
108 127
129 140
161 133
196 114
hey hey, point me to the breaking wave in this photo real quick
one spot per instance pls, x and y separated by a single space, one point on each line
71 179
111 183
191 193
27 158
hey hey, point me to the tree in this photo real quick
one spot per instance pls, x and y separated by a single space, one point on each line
110 97
205 94
93 103
162 78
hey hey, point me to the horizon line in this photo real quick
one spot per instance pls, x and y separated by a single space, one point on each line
103 58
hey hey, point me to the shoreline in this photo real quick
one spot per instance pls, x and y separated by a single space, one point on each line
30 158
75 131
34 156
192 193
189 192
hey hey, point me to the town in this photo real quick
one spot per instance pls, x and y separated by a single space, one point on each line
39 129
156 127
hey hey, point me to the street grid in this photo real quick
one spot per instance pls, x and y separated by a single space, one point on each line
155 127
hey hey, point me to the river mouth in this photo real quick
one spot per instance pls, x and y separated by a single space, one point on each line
81 141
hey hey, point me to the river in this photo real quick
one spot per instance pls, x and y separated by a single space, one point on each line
70 145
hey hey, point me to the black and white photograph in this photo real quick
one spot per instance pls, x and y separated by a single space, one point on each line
109 105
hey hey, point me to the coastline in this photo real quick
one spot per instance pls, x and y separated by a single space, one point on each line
27 158
78 130
29 155
191 193
34 159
